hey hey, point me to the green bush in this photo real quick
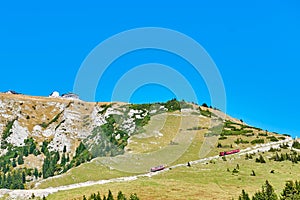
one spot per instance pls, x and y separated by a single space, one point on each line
281 138
272 138
241 141
296 144
260 159
205 113
258 141
172 105
222 138
104 108
235 171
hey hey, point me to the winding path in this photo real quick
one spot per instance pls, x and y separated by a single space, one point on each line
23 194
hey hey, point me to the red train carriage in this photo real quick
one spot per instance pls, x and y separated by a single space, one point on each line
224 153
158 168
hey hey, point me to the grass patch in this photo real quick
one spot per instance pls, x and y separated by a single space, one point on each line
45 125
201 181
150 141
91 171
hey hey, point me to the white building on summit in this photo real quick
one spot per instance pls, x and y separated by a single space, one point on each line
11 92
54 94
70 95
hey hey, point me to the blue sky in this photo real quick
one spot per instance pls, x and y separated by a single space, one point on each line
254 44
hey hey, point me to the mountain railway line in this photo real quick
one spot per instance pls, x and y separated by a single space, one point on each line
15 194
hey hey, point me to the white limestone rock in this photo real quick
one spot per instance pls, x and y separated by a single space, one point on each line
19 134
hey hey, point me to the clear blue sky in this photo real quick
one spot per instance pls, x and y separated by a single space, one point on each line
255 45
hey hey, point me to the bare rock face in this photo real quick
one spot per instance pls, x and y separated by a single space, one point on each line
60 121
18 134
63 122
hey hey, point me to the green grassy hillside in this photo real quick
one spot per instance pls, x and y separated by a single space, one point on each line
208 180
126 140
212 180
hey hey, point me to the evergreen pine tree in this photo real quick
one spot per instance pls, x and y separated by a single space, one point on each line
110 196
25 151
23 177
20 159
121 196
14 164
98 197
32 146
63 160
36 173
8 181
244 196
267 193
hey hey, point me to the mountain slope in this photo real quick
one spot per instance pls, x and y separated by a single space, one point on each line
44 137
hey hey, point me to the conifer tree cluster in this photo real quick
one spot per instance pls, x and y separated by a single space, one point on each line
294 157
110 196
260 159
13 180
12 173
54 163
291 191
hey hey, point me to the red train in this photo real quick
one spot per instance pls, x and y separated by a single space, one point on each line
158 168
224 153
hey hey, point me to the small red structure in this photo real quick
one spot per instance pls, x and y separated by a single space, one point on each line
158 168
224 153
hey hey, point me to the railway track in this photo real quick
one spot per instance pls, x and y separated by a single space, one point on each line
26 194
